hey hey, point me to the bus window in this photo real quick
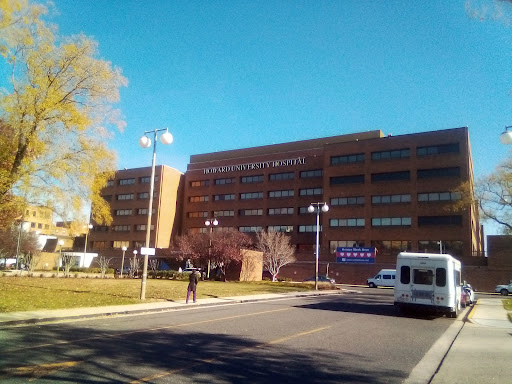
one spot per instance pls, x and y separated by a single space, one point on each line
405 274
441 277
423 276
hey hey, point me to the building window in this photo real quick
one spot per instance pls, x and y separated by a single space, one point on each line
100 228
439 196
110 183
251 179
280 211
145 195
39 225
123 212
392 246
121 228
107 197
391 176
403 153
353 222
32 225
311 191
333 244
250 212
311 174
280 228
347 159
391 199
438 172
147 179
305 248
281 176
391 221
439 220
120 244
143 227
251 195
197 214
352 179
200 183
308 228
438 149
126 196
278 194
226 213
351 200
453 247
198 199
127 181
252 229
230 180
144 211
34 213
100 245
229 196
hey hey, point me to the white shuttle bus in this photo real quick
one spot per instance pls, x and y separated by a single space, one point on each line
428 281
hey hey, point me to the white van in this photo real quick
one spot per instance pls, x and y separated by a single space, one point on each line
385 278
429 281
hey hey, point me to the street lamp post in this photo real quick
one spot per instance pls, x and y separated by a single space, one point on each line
506 136
89 227
122 261
324 208
134 257
210 223
61 243
145 142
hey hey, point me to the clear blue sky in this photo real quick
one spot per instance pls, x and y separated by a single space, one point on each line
228 74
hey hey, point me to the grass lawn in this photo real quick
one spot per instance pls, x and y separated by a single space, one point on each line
35 293
508 306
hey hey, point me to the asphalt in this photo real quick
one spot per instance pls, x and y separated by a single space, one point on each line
475 349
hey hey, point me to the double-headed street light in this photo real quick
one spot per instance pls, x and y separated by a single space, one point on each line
61 243
321 206
122 261
210 223
145 142
89 227
506 136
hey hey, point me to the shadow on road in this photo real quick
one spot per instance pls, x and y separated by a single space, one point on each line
175 355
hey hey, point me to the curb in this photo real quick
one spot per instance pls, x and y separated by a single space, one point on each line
175 307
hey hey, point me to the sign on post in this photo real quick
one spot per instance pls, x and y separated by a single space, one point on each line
355 255
147 251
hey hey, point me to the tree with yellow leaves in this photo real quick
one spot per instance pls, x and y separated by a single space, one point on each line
55 115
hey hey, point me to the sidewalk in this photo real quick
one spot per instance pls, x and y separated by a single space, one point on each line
482 351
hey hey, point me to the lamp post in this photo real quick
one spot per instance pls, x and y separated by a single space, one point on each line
210 223
89 227
122 261
61 243
506 136
145 142
324 208
134 257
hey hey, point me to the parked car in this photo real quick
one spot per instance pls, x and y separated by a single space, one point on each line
503 289
321 279
470 291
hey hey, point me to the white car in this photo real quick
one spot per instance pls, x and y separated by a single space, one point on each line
503 289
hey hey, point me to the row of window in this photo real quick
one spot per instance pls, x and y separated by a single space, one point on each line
338 201
338 180
128 228
423 221
336 160
130 196
131 181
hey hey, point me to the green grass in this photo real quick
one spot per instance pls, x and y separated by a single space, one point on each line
508 306
35 293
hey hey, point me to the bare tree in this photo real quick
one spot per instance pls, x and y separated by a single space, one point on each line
226 248
68 260
154 265
104 263
277 251
31 259
134 266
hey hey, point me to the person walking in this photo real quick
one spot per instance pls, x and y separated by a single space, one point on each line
193 280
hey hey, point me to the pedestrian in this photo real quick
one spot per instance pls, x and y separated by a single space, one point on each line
193 280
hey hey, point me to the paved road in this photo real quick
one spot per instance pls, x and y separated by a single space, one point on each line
349 338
